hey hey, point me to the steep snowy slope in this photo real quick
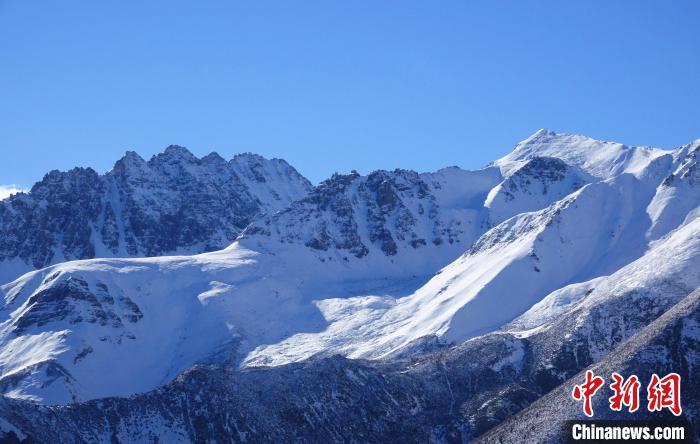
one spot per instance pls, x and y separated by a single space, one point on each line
273 183
173 203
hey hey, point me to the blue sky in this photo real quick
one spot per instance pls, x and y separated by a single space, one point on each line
334 86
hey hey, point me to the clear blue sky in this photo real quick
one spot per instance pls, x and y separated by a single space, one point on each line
333 85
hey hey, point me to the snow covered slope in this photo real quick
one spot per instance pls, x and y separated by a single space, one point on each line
448 396
366 266
173 203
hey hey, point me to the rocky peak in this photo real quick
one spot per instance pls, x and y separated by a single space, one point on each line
176 152
545 171
538 183
259 169
331 189
248 157
339 181
129 164
74 180
548 167
174 161
384 213
689 169
174 202
251 167
541 135
62 202
213 158
273 181
677 196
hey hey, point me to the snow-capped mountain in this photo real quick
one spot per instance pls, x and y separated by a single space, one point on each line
597 158
566 237
173 203
156 317
583 232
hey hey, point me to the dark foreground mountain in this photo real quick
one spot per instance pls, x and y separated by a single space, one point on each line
670 344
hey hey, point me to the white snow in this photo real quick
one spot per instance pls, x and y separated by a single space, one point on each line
8 190
674 258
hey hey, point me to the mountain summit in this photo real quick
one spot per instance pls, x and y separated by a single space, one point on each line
174 203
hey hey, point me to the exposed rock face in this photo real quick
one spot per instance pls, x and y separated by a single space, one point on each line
539 182
382 213
55 216
173 203
72 296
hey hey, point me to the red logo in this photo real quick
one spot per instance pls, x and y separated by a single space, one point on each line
662 393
